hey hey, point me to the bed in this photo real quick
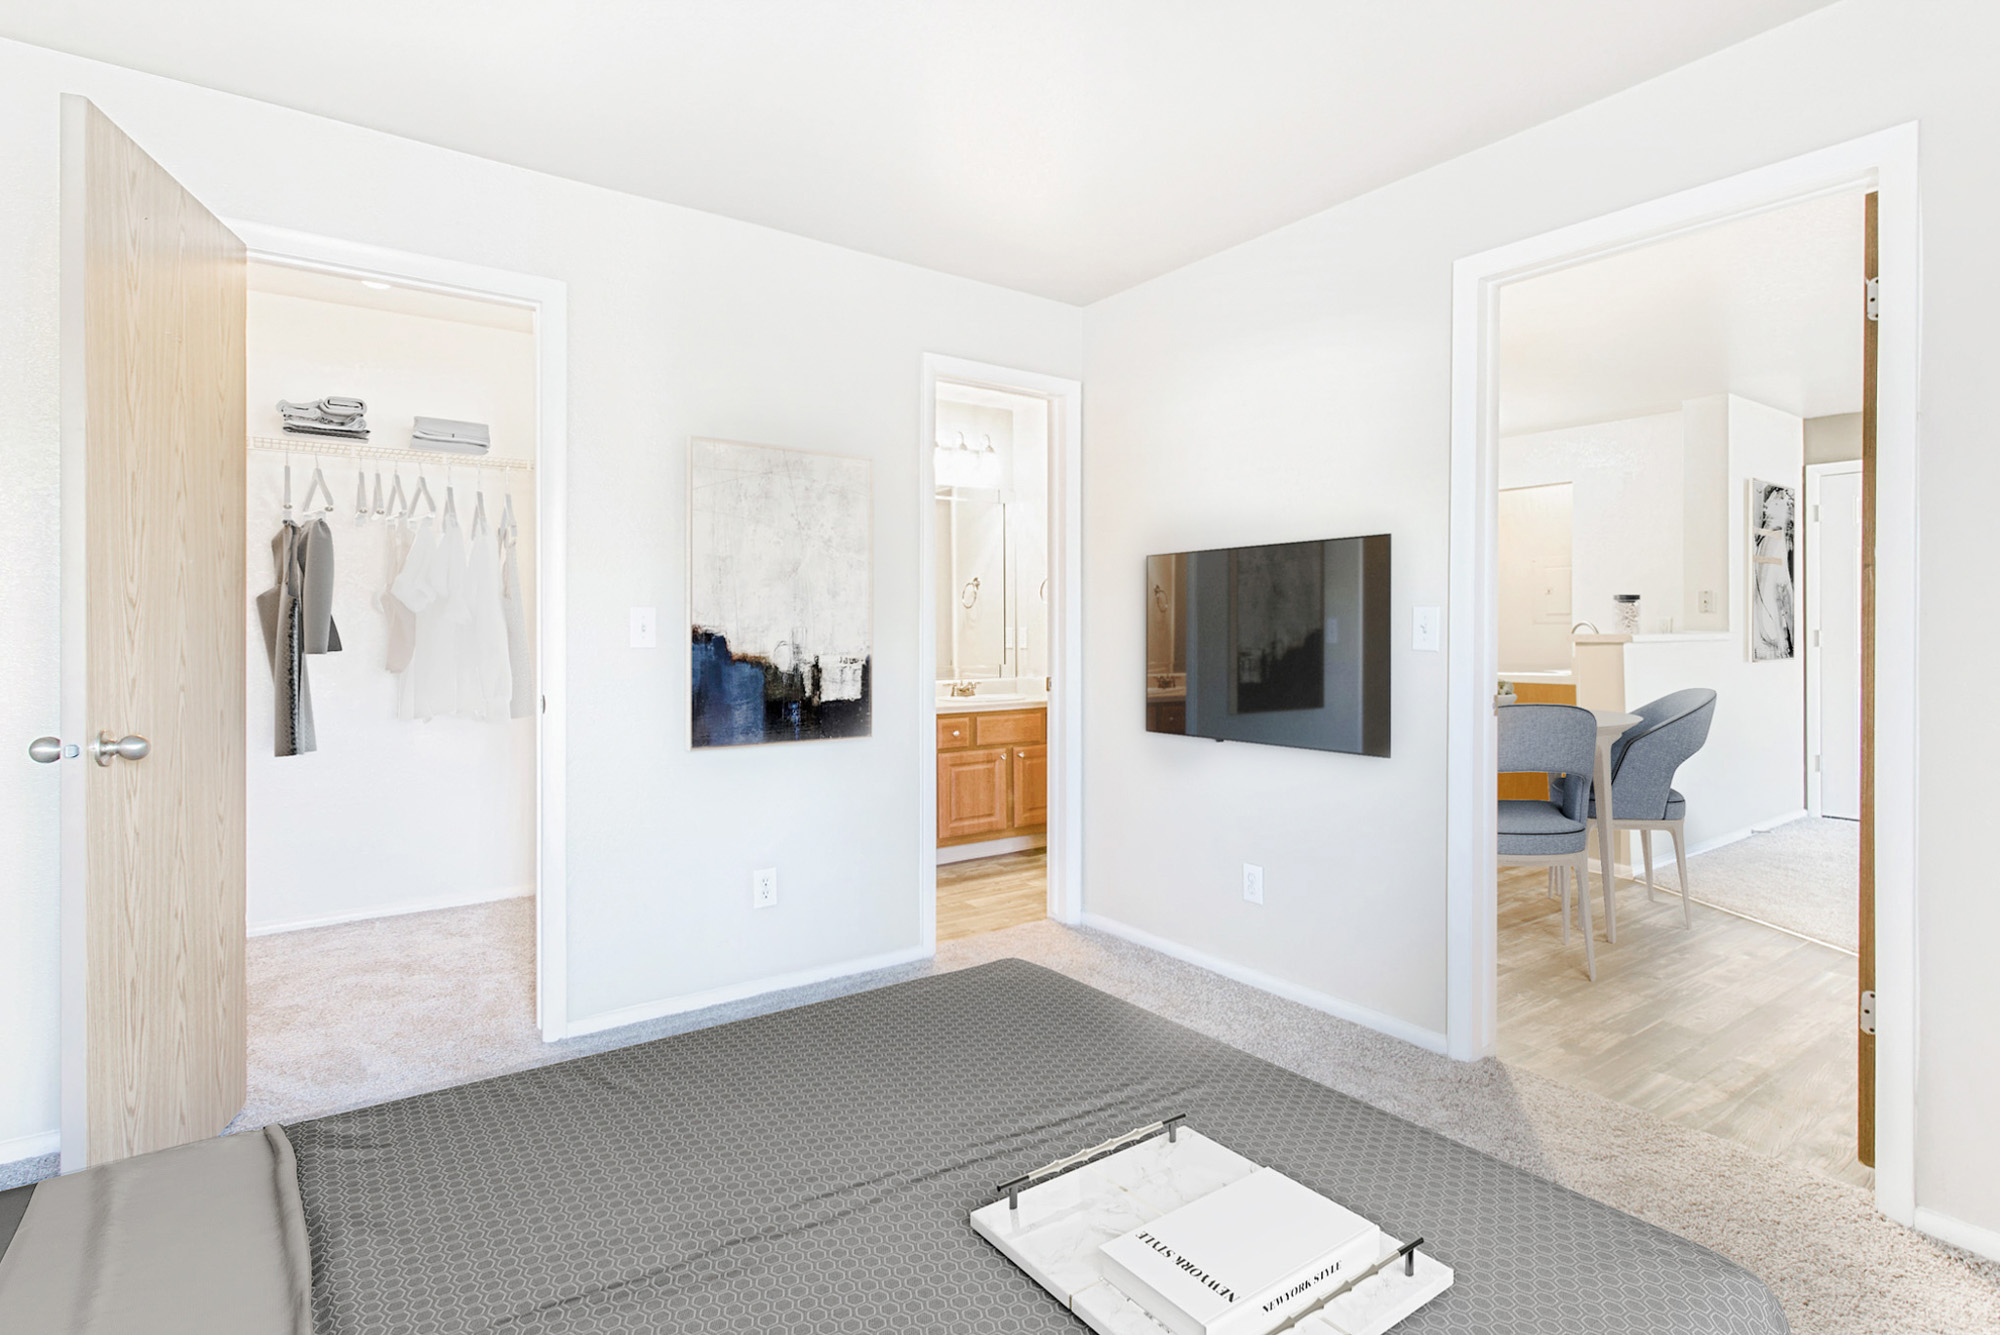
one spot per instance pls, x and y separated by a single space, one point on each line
813 1170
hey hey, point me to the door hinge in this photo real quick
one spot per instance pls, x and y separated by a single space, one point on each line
1816 761
1868 1012
1875 299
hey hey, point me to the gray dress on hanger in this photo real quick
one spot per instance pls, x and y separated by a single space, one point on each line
297 615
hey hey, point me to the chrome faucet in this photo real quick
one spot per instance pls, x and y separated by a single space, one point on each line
1593 627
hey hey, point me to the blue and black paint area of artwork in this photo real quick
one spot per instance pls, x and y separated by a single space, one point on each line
744 699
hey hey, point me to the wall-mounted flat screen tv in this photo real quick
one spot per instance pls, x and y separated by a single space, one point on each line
1286 644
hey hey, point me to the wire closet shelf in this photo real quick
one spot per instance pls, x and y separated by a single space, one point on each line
332 447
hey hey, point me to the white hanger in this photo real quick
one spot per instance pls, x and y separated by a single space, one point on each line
318 484
399 502
360 496
422 491
378 493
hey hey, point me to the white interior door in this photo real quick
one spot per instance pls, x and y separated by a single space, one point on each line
1833 659
1536 526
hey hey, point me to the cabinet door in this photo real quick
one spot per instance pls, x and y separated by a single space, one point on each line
1031 786
972 792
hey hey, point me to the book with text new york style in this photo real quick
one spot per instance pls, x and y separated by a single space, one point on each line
1242 1260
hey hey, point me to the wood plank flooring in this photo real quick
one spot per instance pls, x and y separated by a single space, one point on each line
986 894
1732 1028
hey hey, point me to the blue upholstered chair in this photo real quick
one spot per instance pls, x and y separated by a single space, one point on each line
1561 742
1643 762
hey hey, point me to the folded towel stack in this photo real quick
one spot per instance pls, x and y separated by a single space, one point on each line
330 416
438 433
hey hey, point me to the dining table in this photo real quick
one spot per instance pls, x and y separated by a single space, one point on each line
1611 725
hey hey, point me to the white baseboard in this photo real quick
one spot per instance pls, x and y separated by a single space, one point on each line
716 996
1973 1237
30 1147
1428 1039
991 848
1737 836
458 901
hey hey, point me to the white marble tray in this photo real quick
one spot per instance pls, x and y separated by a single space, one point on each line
1061 1223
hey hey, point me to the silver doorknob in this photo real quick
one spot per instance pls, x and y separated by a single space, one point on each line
45 750
107 748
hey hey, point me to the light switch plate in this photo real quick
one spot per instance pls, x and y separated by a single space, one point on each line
1425 625
645 628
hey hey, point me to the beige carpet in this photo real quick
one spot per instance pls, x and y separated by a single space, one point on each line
1803 876
343 1016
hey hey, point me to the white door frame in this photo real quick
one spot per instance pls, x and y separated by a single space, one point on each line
1065 400
1816 474
548 298
1886 161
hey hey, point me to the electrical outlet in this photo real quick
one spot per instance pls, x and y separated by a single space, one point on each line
764 888
645 626
1253 883
1708 600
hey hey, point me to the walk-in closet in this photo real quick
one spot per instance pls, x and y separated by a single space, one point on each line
391 711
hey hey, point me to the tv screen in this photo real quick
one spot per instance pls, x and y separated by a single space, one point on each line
1286 644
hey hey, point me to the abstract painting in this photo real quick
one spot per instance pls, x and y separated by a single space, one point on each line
1774 509
780 573
1277 611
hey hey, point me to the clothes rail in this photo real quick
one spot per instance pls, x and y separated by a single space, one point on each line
331 447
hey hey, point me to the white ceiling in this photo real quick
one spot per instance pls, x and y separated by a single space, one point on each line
1768 307
1065 147
287 280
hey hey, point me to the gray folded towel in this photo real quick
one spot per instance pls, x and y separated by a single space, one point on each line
440 433
333 408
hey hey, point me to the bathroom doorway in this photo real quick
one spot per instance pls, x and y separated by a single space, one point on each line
993 636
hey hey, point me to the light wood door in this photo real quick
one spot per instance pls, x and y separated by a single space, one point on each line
1031 785
972 792
154 442
1864 1042
1835 703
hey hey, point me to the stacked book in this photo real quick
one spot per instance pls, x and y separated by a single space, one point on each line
334 415
1186 1237
441 433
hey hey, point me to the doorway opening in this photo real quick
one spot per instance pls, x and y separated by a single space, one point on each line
396 881
990 561
1651 567
1872 182
996 828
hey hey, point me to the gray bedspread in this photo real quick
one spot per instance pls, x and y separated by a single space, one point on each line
203 1239
812 1170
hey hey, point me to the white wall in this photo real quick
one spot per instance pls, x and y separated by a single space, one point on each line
1626 511
1833 439
1750 773
680 324
438 811
1298 386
